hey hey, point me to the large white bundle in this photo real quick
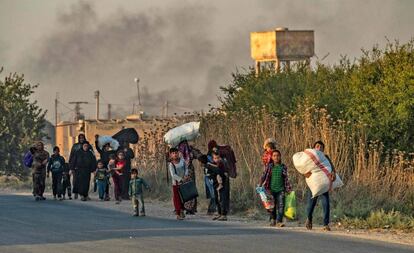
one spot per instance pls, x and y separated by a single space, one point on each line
315 161
304 163
319 183
188 131
105 139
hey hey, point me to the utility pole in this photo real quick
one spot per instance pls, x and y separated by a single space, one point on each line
97 104
166 108
136 79
56 109
77 108
109 111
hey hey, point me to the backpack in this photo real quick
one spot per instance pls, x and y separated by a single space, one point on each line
227 153
28 159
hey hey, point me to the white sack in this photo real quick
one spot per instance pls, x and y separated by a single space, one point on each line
315 161
304 162
319 183
188 131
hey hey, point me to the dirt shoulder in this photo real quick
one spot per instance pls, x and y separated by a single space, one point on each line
161 209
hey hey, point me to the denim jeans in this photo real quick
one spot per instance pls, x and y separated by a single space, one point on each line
325 206
101 185
279 209
138 204
210 188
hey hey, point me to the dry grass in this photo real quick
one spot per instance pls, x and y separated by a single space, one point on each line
374 178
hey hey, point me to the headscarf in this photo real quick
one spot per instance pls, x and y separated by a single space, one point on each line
185 150
212 144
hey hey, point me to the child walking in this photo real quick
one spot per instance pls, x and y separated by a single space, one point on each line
56 165
101 177
136 193
66 185
178 171
275 179
118 175
222 187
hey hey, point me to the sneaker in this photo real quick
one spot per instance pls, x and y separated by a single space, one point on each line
216 217
54 197
308 224
272 222
70 198
37 198
222 218
88 198
76 196
42 198
63 197
142 214
326 228
135 214
280 225
182 214
117 202
60 198
83 199
107 199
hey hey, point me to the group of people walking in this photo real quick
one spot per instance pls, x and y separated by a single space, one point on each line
218 166
276 181
82 164
217 170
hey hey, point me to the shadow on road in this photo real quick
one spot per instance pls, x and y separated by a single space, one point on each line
24 221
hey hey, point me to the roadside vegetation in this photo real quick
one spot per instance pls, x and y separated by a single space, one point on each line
21 123
362 110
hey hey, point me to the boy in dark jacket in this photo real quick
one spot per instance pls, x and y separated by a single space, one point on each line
101 177
56 165
135 192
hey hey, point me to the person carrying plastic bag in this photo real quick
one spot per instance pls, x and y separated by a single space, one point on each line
275 180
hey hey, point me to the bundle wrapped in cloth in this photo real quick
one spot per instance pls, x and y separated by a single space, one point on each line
318 164
105 139
185 132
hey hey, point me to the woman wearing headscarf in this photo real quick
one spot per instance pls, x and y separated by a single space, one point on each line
186 152
83 164
75 148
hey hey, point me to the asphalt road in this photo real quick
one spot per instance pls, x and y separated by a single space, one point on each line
53 226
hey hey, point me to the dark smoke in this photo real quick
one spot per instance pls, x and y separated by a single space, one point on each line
184 50
170 50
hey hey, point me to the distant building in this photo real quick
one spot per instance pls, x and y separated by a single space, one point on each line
147 127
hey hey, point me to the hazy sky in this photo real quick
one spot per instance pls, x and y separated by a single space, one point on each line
181 50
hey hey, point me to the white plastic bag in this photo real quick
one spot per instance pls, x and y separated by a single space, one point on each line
105 139
188 131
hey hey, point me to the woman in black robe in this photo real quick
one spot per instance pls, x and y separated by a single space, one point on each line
83 164
75 148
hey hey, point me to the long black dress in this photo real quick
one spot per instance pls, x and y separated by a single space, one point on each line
83 164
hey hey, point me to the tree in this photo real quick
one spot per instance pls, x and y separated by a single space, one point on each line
21 123
377 90
382 94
